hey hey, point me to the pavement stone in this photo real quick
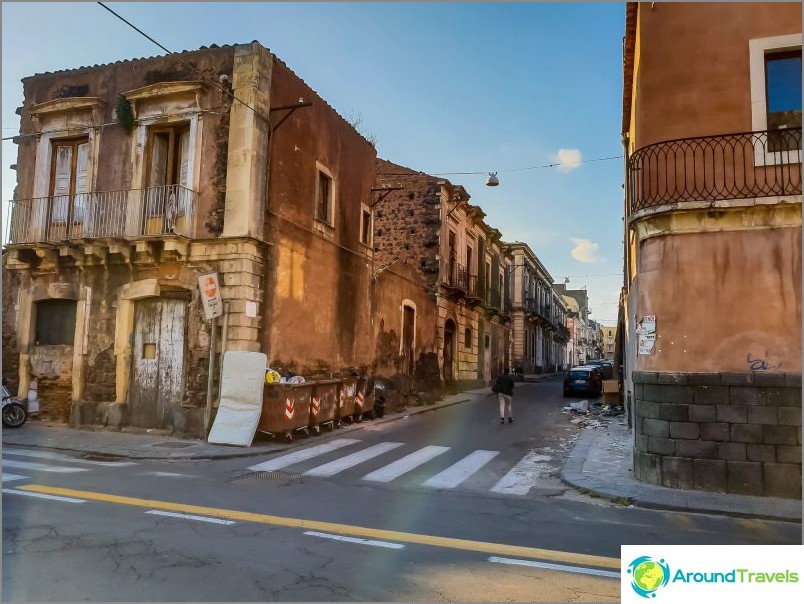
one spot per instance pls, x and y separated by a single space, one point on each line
601 464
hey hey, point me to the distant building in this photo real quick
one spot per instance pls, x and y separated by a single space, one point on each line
711 321
609 336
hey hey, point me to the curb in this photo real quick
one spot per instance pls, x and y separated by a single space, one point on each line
648 496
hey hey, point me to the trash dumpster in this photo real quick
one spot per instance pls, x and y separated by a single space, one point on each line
364 399
346 400
285 409
323 405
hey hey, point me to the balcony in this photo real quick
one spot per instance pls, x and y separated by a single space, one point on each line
456 279
746 165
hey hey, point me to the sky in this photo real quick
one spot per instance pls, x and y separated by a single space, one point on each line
442 88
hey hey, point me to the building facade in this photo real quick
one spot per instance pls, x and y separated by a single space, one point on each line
609 337
137 178
712 223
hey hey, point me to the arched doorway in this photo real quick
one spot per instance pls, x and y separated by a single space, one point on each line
449 351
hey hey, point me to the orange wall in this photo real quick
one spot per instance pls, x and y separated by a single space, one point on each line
719 297
693 71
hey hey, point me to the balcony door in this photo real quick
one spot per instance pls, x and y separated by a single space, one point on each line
68 187
165 207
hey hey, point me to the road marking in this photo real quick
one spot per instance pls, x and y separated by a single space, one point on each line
291 458
63 457
345 529
44 496
406 464
458 472
167 474
344 463
523 476
30 465
559 567
10 477
190 517
355 540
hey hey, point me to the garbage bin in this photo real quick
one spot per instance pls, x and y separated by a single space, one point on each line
364 399
346 400
285 409
323 405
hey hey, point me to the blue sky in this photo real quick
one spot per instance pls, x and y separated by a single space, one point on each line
444 87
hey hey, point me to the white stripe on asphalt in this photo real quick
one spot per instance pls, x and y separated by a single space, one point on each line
356 540
523 475
43 496
10 477
560 567
406 464
29 465
167 474
63 457
344 463
458 472
190 517
291 458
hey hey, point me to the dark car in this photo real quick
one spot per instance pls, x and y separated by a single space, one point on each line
606 367
583 380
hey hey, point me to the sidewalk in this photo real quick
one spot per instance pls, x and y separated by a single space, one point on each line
107 444
600 465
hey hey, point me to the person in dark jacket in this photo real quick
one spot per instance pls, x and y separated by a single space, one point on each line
504 388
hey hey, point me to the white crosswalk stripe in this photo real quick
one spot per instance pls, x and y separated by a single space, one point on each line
30 465
290 459
459 472
10 477
406 464
63 457
523 476
350 461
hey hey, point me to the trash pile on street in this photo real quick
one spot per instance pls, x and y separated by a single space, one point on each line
588 415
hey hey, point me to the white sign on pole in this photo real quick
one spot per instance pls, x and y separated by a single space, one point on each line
210 295
646 334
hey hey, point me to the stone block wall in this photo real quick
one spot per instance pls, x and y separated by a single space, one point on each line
722 432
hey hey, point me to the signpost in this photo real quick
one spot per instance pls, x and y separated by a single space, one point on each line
213 308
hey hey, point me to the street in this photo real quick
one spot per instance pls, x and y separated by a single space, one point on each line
442 506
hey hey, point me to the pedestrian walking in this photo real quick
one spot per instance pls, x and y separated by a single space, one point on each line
504 389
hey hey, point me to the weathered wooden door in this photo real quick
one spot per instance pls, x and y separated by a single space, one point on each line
157 358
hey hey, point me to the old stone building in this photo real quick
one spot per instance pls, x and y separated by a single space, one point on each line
138 177
711 129
455 263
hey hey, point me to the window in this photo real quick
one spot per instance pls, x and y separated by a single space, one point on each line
323 201
366 225
166 177
467 338
68 181
55 322
486 341
783 97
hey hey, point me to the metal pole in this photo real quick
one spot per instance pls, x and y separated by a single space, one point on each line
224 339
212 344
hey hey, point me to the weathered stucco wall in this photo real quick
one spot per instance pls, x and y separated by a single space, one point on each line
723 300
318 283
674 101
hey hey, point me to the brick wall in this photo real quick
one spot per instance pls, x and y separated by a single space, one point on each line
723 432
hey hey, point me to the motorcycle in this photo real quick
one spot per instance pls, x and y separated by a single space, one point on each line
14 410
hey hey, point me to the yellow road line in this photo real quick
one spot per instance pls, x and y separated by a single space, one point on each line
344 529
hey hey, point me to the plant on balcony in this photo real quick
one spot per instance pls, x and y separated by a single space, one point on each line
125 115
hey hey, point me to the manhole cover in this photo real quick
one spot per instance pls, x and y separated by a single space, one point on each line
263 476
173 445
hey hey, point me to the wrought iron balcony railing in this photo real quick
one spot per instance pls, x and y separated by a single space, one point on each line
103 214
456 276
712 168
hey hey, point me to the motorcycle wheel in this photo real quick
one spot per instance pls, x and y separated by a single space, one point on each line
14 415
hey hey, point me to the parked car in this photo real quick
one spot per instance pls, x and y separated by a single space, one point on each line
586 379
606 367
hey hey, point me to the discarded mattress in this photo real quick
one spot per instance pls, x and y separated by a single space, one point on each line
241 398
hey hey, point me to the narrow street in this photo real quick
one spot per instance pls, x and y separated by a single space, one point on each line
441 506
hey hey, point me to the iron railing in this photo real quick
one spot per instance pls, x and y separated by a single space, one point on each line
457 276
712 168
102 214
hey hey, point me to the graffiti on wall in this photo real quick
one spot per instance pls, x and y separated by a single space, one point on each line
765 362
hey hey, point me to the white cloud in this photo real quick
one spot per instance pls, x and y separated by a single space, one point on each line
585 250
569 159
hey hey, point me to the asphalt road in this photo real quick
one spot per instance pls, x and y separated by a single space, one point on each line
442 506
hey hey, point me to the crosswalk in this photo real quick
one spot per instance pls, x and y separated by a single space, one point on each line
29 461
431 466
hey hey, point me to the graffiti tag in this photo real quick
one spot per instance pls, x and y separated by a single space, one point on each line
763 363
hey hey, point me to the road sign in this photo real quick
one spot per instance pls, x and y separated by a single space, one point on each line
210 295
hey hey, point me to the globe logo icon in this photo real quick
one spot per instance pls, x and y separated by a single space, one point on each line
648 575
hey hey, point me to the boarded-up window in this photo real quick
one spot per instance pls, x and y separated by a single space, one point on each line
55 322
323 206
366 225
467 338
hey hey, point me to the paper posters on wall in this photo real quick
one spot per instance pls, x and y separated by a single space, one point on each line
646 334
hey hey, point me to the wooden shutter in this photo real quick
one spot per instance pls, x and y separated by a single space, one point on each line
61 183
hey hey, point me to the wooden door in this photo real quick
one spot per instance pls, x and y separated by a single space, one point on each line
157 373
408 326
449 344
